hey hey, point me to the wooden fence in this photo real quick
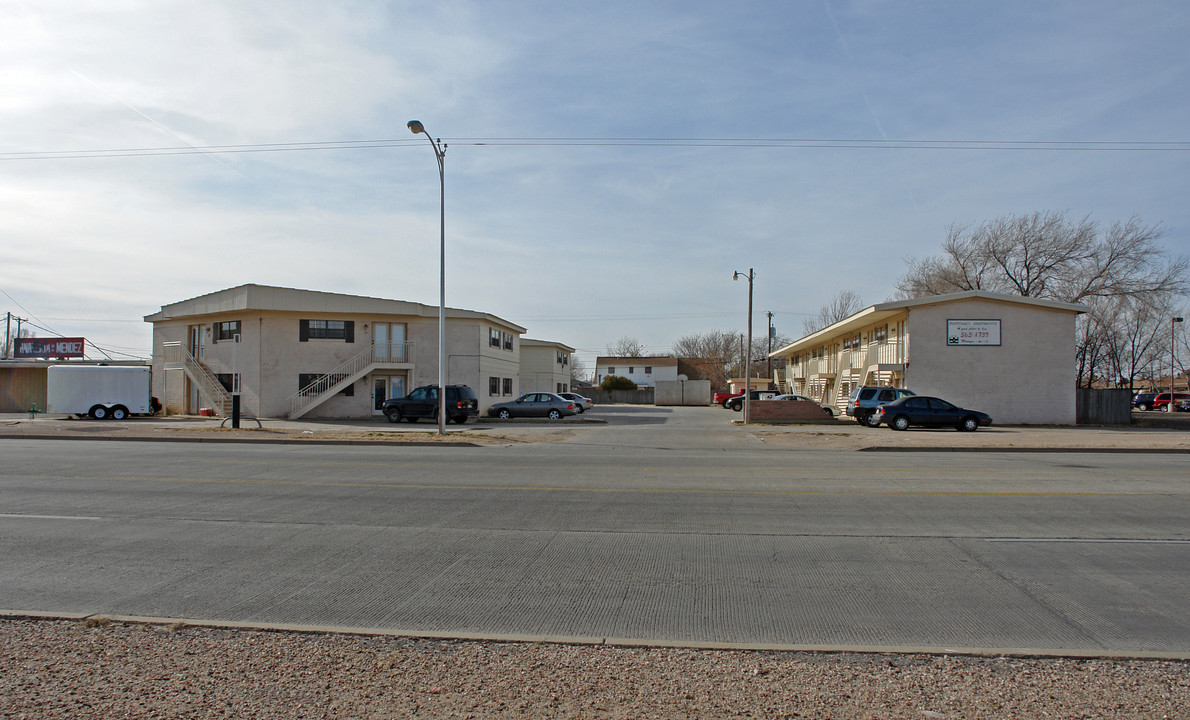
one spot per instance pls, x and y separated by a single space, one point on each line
1103 407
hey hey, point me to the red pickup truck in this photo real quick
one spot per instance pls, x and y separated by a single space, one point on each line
721 398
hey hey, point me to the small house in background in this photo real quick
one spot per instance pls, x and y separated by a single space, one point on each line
644 371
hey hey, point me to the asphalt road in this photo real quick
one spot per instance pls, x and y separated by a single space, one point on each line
663 526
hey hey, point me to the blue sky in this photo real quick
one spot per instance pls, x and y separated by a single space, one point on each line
579 242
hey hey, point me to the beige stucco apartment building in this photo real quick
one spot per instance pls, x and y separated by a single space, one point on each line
644 371
545 366
319 354
1009 356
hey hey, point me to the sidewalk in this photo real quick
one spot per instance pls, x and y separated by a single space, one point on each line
1151 432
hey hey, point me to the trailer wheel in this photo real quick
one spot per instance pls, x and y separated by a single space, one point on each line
98 412
119 412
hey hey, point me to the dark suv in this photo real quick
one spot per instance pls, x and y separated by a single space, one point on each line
461 403
864 400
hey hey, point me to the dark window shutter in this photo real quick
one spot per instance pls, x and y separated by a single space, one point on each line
349 331
303 330
214 333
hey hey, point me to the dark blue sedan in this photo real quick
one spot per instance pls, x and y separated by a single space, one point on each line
930 412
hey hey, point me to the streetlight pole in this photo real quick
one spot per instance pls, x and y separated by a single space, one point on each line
416 127
748 362
1173 359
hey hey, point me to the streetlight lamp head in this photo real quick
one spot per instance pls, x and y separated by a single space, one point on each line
735 275
415 126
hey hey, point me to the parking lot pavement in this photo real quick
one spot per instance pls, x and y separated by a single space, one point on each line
1151 431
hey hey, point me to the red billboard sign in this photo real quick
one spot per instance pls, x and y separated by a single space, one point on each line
50 347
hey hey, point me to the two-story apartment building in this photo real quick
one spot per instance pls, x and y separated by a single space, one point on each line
1009 356
294 353
545 366
644 371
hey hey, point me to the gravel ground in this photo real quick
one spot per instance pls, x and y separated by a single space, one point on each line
100 669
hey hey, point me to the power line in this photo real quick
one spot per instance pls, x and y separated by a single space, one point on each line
790 143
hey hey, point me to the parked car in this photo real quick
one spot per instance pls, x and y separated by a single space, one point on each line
825 408
581 403
864 400
537 404
721 398
461 403
1161 400
737 402
1143 400
930 412
1182 405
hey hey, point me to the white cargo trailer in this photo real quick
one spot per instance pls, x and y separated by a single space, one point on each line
101 391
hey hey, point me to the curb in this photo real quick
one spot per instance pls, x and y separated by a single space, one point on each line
1101 450
247 441
1054 653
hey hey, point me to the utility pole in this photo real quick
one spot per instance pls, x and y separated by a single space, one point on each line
770 355
7 334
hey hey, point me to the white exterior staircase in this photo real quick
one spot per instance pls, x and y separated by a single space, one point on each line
177 357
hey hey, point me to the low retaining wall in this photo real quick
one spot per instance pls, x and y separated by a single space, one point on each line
792 412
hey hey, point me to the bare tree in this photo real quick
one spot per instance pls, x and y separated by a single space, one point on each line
1049 256
1138 335
578 371
712 354
626 347
844 304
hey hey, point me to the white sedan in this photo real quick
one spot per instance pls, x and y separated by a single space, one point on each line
581 403
825 408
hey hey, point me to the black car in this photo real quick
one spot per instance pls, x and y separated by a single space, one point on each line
1144 400
737 402
930 412
461 403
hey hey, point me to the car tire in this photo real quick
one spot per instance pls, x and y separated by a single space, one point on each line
872 419
580 409
900 422
828 412
555 415
1142 407
861 419
119 412
737 407
504 414
98 412
969 424
393 415
459 419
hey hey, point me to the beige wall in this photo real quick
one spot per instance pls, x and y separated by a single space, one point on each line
1029 378
540 371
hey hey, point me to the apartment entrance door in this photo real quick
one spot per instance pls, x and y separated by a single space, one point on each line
197 345
389 342
385 387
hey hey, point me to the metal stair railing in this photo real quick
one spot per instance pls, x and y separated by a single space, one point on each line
177 356
332 382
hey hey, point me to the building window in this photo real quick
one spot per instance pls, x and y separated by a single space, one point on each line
326 330
880 334
226 330
631 370
611 371
493 386
563 358
648 370
507 386
229 381
307 379
561 387
507 341
494 337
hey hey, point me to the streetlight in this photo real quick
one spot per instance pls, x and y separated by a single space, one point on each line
416 127
1173 360
748 366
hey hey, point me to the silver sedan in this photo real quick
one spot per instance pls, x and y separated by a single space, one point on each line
536 404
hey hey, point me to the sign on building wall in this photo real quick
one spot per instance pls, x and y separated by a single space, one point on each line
49 347
972 332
